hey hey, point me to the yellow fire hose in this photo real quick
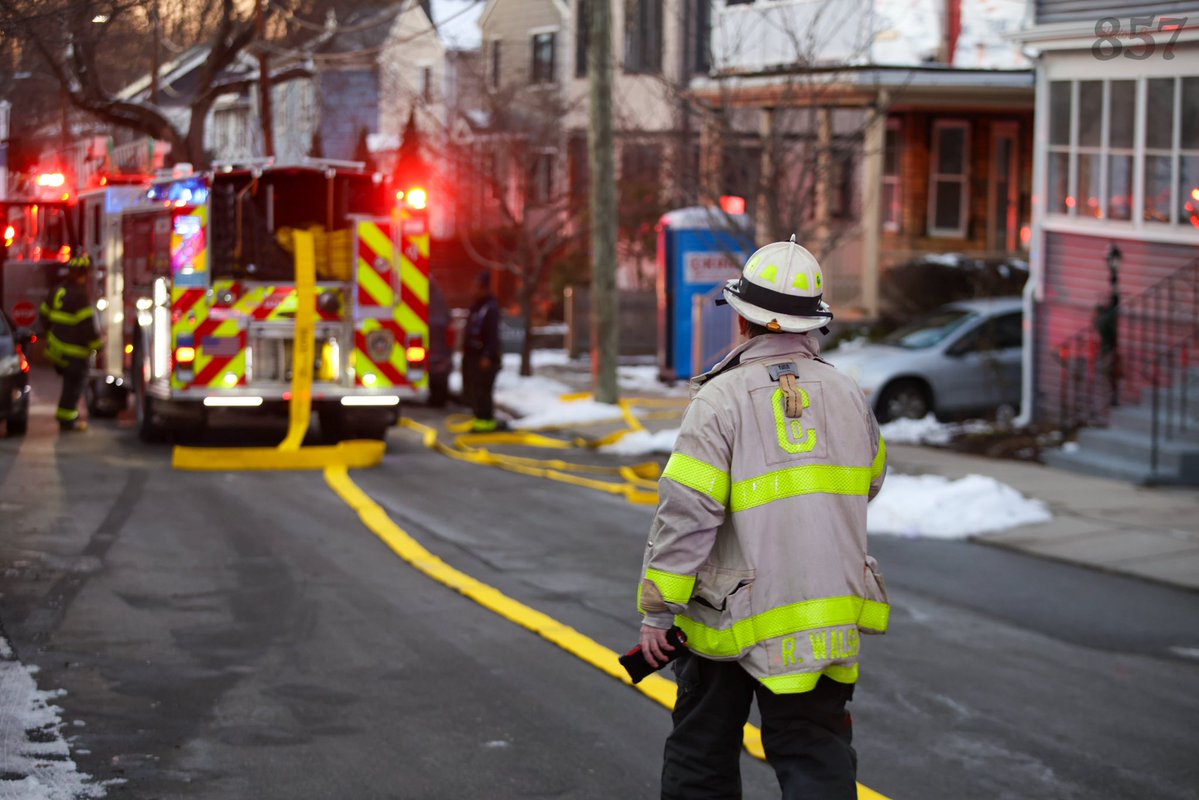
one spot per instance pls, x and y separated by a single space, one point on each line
290 454
637 483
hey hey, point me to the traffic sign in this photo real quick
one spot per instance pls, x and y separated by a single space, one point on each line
24 314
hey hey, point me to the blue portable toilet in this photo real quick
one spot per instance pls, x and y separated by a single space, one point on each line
699 248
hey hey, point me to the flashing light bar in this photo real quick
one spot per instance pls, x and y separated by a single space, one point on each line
229 402
371 400
52 179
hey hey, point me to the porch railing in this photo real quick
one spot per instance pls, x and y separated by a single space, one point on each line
1142 350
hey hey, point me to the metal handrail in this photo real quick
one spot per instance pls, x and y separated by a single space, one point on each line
1153 331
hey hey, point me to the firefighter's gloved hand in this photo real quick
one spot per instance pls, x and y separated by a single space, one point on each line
638 663
655 646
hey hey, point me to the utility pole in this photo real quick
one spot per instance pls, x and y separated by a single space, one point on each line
605 330
265 108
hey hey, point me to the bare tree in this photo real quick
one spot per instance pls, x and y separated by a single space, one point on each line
92 48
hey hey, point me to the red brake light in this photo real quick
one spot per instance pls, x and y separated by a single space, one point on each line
24 361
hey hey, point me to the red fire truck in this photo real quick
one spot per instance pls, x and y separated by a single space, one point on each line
203 299
39 230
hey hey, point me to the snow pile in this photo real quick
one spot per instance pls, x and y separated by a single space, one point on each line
35 761
643 379
939 508
929 430
916 431
643 443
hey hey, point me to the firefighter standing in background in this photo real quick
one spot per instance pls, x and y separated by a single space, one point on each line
481 355
758 549
69 321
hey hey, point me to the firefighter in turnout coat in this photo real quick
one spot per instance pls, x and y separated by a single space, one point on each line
758 548
72 335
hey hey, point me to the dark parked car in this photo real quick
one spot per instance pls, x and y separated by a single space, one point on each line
963 358
14 376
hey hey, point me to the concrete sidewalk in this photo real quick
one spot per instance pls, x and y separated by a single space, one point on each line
1151 533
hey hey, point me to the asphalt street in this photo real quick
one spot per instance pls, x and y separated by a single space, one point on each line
245 636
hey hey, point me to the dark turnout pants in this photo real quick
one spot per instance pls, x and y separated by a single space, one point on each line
807 736
74 375
478 386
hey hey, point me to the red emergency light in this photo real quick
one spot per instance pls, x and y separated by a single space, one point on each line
732 204
417 198
53 180
10 233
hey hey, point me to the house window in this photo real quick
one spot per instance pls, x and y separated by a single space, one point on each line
698 56
426 84
541 179
949 197
543 57
841 183
1171 182
582 37
640 175
643 36
1094 154
891 184
495 64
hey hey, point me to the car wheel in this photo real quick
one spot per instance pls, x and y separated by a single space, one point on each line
439 389
906 399
103 401
148 428
17 426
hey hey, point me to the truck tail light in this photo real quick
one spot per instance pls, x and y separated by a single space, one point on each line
24 361
415 352
185 355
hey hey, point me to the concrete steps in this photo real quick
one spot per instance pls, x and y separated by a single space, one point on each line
1123 450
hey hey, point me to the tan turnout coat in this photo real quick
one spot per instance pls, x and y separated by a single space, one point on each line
758 547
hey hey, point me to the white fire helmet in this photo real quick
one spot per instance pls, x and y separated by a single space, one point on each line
781 288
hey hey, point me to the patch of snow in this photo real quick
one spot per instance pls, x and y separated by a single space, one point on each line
644 378
935 507
45 764
916 431
944 259
930 430
643 443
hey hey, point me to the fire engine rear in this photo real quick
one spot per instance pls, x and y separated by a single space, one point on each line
209 296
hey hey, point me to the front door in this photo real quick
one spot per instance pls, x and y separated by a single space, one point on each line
1004 190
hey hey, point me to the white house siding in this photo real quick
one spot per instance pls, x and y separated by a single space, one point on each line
511 23
411 46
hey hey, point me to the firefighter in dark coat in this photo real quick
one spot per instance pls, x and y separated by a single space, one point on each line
481 355
69 320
